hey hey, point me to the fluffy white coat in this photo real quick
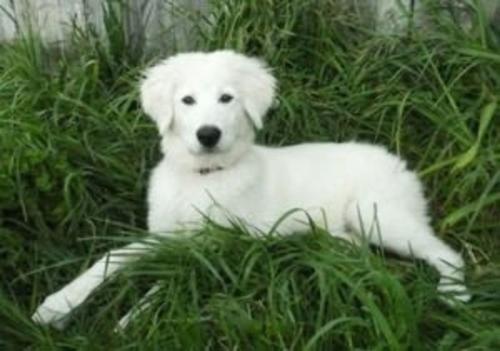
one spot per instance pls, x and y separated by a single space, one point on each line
352 190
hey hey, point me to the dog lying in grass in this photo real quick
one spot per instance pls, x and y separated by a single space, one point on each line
207 107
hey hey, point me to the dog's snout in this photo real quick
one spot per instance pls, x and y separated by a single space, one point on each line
208 136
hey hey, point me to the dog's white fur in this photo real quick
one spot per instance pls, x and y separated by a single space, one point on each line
352 190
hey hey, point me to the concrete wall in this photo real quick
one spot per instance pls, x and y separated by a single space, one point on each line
152 20
149 20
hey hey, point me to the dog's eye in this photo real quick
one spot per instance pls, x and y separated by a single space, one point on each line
225 98
188 100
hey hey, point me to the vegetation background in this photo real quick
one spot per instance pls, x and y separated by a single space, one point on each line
75 152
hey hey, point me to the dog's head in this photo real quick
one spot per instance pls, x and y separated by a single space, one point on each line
206 105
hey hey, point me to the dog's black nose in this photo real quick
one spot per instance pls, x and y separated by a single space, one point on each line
208 136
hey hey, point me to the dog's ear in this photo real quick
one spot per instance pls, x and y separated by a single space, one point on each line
157 90
258 88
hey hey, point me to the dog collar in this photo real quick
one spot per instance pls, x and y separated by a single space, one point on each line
208 170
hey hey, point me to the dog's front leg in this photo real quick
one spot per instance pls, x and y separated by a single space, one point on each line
56 307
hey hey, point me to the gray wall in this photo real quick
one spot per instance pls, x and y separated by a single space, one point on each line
152 20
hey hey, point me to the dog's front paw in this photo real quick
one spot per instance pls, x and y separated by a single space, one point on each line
53 311
453 292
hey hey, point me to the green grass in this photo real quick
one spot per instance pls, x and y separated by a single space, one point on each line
75 152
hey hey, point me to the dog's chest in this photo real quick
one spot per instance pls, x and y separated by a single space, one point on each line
180 200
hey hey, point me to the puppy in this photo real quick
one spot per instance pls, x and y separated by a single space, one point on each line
207 107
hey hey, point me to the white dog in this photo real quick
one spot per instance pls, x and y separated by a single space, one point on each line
206 107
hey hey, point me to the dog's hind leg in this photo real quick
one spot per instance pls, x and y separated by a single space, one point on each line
56 307
142 305
397 229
